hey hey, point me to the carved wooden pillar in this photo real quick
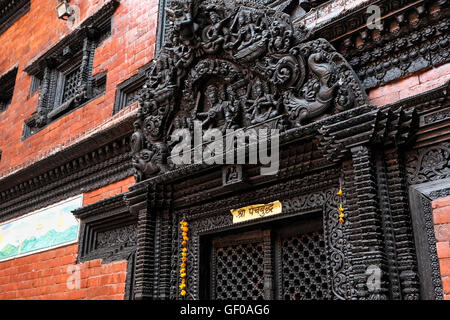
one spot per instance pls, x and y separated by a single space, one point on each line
145 255
402 225
140 201
368 257
164 252
268 266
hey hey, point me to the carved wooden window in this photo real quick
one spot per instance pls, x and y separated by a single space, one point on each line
64 74
108 231
35 84
7 83
285 263
11 11
127 92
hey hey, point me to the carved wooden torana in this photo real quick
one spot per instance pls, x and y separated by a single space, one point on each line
233 67
239 64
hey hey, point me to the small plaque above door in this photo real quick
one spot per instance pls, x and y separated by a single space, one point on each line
257 211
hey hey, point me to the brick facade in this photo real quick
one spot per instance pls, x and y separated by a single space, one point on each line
54 275
441 218
131 46
108 191
49 274
410 86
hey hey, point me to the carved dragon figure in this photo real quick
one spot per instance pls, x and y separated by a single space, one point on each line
300 108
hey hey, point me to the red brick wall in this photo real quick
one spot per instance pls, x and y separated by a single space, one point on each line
411 86
130 47
108 191
45 276
441 217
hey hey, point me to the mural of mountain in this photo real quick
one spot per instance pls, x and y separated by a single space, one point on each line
50 239
8 251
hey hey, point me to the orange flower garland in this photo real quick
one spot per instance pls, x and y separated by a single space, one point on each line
341 207
184 228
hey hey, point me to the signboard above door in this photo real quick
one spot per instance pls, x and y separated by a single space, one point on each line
257 211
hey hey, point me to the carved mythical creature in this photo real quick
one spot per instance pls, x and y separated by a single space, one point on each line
152 161
319 99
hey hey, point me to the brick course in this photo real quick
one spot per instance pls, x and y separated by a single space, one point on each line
108 191
441 219
46 276
410 86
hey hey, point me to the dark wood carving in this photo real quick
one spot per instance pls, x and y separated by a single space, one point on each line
241 66
108 231
240 47
429 164
413 37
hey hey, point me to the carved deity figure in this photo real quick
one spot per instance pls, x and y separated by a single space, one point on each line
244 30
232 175
160 77
215 116
263 105
181 15
232 109
214 35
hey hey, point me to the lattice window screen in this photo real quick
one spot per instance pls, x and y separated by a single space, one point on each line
71 84
240 272
304 268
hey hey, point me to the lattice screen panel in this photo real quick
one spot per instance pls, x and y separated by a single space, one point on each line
239 272
304 269
71 83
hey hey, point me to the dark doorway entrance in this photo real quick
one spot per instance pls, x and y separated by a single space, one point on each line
286 261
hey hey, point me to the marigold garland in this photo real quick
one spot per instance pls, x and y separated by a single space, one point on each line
341 206
184 228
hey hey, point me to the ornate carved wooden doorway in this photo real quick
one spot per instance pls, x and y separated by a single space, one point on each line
284 262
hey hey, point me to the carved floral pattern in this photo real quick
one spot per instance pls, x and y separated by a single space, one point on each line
429 164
